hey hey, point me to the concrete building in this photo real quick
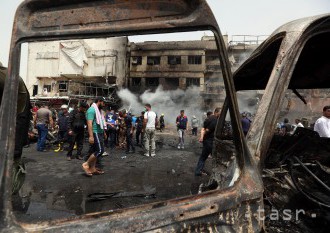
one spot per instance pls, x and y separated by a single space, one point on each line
177 64
76 68
240 48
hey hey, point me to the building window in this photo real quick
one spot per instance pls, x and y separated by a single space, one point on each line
194 60
137 60
47 88
136 82
152 82
192 82
173 60
35 90
153 60
63 86
212 58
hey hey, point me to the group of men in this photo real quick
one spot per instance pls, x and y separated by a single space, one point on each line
321 126
71 127
102 127
97 128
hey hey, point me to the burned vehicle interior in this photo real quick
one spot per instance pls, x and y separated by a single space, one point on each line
228 202
295 167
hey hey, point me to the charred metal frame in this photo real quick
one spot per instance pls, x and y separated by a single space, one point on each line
294 36
230 209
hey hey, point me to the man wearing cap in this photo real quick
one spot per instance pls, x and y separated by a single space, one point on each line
76 129
96 125
63 119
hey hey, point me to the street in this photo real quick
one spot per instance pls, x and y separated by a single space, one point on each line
56 188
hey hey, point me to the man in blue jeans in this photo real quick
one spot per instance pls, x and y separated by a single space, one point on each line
182 125
42 119
207 138
111 119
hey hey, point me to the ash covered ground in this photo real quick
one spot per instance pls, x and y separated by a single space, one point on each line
56 188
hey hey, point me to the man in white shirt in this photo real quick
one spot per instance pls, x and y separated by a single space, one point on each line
149 128
298 125
322 125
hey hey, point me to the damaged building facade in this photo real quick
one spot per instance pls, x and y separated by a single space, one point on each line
240 48
82 69
181 64
177 64
76 68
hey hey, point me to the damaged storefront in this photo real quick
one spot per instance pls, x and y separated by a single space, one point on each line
74 70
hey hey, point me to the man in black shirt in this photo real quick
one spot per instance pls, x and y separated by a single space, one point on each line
76 129
139 126
129 132
286 128
207 137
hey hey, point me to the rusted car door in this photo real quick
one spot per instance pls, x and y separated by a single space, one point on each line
293 57
230 208
291 71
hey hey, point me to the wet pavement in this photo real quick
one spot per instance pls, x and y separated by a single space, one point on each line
56 188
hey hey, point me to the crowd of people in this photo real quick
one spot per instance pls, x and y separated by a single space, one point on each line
321 125
124 130
110 129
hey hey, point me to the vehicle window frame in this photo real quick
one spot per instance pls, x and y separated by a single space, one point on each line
141 218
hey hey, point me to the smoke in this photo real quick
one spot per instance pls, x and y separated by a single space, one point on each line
168 102
248 101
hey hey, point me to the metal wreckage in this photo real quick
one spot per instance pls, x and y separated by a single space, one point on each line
249 173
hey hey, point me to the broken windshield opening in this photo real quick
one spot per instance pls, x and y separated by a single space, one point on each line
171 72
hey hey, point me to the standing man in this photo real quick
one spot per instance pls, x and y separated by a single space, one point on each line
42 120
129 132
207 138
298 125
162 122
194 125
63 119
76 130
182 125
111 119
322 125
139 127
286 127
96 126
149 128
